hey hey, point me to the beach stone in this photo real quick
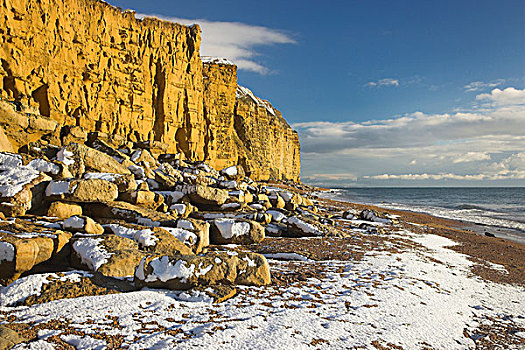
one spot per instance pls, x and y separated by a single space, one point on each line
234 172
152 239
81 158
146 199
144 157
181 273
200 228
124 182
206 195
110 255
21 251
235 231
183 209
303 227
9 338
64 210
349 215
83 190
130 213
84 224
370 215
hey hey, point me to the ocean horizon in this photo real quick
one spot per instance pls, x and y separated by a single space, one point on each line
501 210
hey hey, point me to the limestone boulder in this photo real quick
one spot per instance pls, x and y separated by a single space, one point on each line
82 190
370 215
130 213
24 245
82 224
110 255
146 199
9 338
205 195
124 182
155 240
235 231
185 272
64 210
81 158
235 172
201 233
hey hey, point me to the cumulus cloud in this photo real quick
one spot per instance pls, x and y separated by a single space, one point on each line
480 145
476 86
508 97
383 83
235 41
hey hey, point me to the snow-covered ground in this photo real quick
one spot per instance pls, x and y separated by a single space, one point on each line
423 297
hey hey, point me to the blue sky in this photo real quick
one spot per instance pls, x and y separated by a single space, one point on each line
350 76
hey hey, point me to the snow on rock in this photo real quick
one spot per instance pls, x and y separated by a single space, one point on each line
277 216
57 188
230 171
183 235
74 223
286 256
102 176
22 288
164 270
14 176
303 226
179 208
91 252
7 251
65 157
144 237
216 60
229 228
243 92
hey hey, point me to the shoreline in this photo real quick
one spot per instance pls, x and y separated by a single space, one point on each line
471 242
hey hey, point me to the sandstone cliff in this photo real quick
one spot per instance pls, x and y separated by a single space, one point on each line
85 63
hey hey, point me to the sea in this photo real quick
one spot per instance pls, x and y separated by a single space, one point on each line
497 210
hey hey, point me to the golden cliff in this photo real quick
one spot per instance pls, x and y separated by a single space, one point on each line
86 64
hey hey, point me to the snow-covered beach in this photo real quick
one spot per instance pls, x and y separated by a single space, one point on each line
404 289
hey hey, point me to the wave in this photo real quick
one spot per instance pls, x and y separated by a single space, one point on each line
471 206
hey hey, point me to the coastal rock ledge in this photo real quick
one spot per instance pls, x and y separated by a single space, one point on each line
74 67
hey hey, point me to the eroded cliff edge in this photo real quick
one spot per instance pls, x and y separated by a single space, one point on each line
86 64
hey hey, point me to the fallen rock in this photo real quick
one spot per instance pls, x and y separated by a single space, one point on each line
24 245
129 213
64 210
206 195
84 224
154 240
110 255
235 231
371 215
200 228
185 272
302 227
84 190
234 172
124 182
80 158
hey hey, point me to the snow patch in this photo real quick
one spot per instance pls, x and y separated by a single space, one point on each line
164 270
91 252
229 228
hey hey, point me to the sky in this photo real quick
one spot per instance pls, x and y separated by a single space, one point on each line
381 92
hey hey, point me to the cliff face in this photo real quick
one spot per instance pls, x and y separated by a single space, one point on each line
86 63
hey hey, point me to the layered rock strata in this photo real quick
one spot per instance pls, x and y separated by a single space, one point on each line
80 66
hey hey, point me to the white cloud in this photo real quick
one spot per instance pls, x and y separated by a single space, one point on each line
484 144
235 41
471 157
508 97
383 82
480 85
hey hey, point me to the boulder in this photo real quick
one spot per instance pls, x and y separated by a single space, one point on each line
124 182
83 224
200 228
205 195
181 273
129 213
110 255
146 199
234 172
64 210
303 227
370 215
154 240
20 251
83 190
81 158
235 231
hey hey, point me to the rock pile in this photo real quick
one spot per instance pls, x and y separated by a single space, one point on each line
132 212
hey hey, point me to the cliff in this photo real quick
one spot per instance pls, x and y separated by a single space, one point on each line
85 63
